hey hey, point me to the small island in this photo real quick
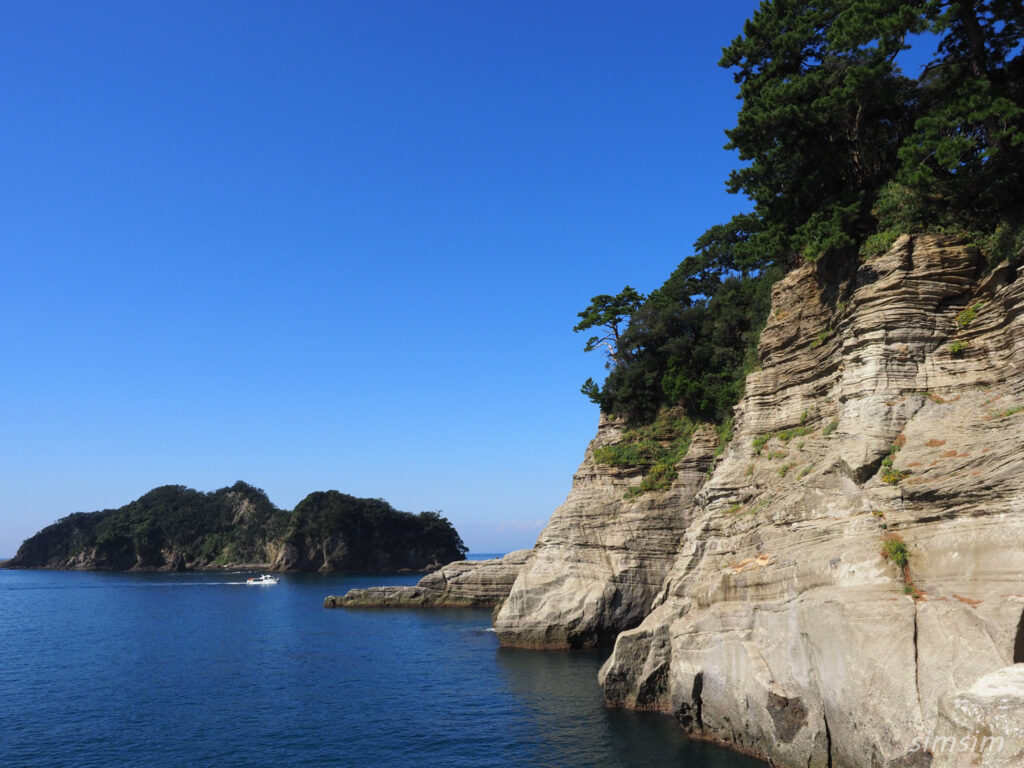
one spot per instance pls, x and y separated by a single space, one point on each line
174 528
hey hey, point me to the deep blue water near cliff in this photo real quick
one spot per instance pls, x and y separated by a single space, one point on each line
105 669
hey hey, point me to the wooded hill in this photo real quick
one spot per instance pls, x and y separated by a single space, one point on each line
176 528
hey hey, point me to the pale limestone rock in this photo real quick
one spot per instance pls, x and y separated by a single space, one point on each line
464 583
779 628
982 726
602 558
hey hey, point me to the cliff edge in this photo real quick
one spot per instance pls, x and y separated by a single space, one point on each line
855 555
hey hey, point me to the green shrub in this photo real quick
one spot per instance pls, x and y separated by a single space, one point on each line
1010 411
831 427
893 476
958 347
965 318
630 454
760 440
1004 243
724 432
788 434
895 549
889 474
656 447
878 243
785 435
659 478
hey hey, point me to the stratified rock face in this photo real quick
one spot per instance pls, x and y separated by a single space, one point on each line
602 558
882 412
983 726
464 583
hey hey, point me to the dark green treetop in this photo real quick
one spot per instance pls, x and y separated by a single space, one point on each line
841 152
965 153
823 111
608 314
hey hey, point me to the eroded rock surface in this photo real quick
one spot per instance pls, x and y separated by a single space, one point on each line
464 583
602 558
882 411
983 726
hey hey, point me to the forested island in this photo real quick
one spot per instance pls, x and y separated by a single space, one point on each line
177 528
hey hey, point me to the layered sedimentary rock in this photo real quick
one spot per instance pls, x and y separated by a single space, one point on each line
602 557
887 417
464 583
782 630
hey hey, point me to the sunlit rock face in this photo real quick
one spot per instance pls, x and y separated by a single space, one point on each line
887 417
602 557
982 726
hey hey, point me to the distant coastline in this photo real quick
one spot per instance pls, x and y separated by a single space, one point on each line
174 528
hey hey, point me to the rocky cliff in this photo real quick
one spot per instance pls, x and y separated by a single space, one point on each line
602 557
462 584
855 556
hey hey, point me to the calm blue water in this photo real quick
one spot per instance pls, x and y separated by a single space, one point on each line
101 669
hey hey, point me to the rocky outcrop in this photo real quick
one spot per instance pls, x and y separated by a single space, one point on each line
887 417
462 584
983 726
602 557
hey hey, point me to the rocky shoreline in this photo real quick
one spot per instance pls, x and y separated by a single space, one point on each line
461 584
844 585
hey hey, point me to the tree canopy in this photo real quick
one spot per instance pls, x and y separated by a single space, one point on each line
239 524
840 152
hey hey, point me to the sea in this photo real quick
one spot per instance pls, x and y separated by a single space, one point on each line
198 669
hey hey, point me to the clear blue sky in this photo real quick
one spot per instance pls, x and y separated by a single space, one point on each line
336 244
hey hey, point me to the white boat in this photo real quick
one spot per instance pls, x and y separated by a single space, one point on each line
264 578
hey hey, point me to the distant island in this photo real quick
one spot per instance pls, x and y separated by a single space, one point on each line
175 528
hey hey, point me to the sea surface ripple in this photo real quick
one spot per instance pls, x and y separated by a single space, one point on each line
198 669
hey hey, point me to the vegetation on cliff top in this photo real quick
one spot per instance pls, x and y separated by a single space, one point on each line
842 153
239 524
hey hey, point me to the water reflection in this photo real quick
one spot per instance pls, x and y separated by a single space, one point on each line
572 726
